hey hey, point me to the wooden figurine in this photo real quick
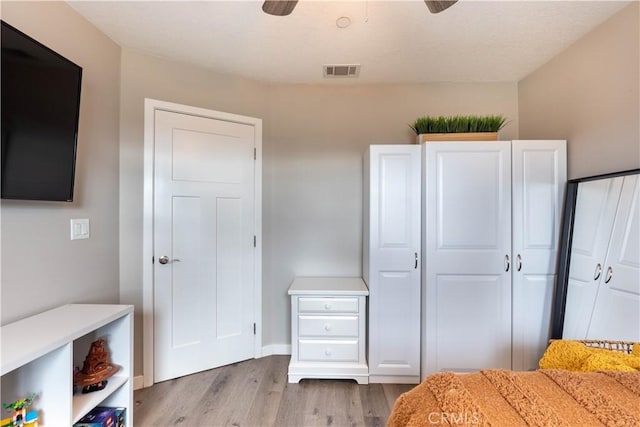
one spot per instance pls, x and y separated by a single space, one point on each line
95 369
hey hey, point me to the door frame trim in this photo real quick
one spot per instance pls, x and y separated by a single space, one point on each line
150 107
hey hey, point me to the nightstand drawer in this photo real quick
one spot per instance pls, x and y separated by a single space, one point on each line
328 326
327 351
327 305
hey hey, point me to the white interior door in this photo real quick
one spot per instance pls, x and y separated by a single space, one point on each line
467 274
539 174
203 243
616 314
392 255
597 202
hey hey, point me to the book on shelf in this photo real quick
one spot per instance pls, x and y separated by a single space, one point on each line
102 416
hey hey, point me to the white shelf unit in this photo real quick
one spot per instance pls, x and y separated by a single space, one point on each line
40 352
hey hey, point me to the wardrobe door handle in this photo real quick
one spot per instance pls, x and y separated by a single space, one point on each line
598 272
507 263
607 279
519 259
416 264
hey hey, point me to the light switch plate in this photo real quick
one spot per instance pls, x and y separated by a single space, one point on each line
80 228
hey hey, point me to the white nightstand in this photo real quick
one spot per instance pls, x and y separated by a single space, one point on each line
328 321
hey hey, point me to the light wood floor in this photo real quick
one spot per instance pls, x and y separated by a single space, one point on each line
256 393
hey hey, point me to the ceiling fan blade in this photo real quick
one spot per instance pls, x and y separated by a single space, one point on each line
279 7
437 6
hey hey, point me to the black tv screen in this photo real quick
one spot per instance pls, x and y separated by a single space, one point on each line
40 109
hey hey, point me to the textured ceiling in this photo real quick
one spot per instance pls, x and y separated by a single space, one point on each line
394 41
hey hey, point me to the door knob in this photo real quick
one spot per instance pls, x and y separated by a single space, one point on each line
165 260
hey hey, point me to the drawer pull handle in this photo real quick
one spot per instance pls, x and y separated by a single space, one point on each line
327 306
327 352
327 327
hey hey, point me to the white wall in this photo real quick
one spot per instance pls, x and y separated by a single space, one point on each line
588 94
313 141
41 267
313 216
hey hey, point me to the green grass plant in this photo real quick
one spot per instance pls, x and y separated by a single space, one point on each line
458 124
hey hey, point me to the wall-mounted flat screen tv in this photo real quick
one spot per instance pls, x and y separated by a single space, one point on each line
40 110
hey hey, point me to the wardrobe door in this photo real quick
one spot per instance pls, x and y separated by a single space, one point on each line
392 253
538 181
617 307
467 246
596 205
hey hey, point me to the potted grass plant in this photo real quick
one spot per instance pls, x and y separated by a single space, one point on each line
458 128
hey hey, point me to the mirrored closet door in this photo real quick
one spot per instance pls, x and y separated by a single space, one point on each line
598 291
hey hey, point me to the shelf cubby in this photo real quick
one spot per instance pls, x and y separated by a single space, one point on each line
39 354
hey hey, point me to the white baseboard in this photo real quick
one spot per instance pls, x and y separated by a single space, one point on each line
273 349
138 382
390 379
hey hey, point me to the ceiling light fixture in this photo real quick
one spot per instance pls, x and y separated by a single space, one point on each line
285 7
343 22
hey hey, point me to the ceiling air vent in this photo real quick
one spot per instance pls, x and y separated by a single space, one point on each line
348 70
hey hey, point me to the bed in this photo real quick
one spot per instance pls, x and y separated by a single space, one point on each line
546 397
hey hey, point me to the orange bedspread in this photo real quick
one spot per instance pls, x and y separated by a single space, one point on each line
547 397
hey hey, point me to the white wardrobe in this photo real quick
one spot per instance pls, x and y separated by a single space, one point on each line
603 289
490 220
391 261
